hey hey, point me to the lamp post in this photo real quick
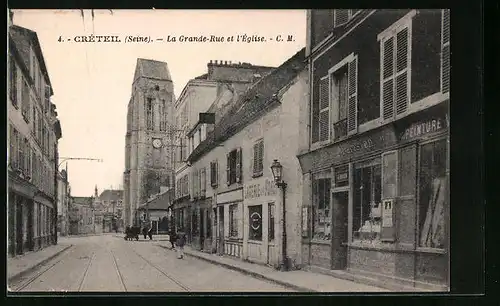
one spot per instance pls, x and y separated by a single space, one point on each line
277 170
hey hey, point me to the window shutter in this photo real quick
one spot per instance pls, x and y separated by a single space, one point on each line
402 46
228 169
238 166
445 53
352 116
261 157
341 17
387 84
255 158
324 106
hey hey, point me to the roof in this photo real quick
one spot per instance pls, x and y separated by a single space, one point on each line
111 195
82 200
161 202
147 68
251 104
22 39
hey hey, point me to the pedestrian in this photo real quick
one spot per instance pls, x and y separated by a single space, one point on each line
150 233
181 241
145 232
171 237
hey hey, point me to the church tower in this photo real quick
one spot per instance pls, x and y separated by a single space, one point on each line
148 141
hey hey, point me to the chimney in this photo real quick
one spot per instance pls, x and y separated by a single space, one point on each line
216 62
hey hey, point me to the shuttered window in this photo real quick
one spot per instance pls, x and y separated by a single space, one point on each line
342 16
214 174
13 81
203 181
13 147
324 110
258 158
233 167
395 74
445 51
344 97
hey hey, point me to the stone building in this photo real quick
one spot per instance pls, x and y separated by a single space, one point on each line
211 92
81 216
148 141
63 195
33 133
376 163
237 210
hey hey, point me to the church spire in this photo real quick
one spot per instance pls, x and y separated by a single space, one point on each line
95 192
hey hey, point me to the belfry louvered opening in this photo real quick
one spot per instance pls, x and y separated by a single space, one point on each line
395 74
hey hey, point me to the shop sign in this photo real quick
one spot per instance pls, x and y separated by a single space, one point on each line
268 188
341 176
422 128
364 145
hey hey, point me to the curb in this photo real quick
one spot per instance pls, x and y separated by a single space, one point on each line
17 276
247 272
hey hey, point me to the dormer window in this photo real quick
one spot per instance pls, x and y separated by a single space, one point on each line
342 16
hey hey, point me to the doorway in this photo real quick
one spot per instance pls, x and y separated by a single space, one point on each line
202 228
340 202
19 226
220 238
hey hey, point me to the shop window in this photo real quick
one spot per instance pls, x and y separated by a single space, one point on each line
233 220
255 222
367 208
432 194
271 213
321 202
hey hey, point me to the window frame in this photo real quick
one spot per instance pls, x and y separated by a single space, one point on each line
325 174
250 230
443 46
350 16
258 158
406 22
233 220
271 234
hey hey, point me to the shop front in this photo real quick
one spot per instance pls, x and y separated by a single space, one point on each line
259 243
230 223
182 217
201 226
378 202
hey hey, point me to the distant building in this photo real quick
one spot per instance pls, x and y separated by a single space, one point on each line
148 141
81 216
63 195
33 133
108 209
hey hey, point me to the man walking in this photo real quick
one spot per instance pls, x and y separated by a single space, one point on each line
181 241
171 237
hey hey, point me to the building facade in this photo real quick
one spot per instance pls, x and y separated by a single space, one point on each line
81 216
33 133
238 210
156 212
212 92
376 169
148 141
63 195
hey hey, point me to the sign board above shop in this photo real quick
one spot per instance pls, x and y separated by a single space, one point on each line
422 124
261 189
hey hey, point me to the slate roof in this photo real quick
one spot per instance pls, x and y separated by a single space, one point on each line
161 202
148 68
22 38
251 104
82 200
111 195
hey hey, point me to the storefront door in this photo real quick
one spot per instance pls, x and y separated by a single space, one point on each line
202 228
340 202
19 226
220 238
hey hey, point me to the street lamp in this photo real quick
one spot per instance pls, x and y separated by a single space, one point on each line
277 170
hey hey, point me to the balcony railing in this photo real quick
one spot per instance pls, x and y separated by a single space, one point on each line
340 129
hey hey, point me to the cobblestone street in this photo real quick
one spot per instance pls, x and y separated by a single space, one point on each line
107 263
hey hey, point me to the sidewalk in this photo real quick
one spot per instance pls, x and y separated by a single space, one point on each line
24 264
298 280
141 237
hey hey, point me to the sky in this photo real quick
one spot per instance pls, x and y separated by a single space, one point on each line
92 81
